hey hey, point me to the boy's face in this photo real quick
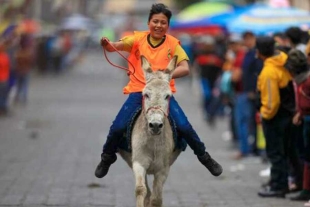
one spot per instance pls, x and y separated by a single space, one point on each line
235 46
249 41
158 25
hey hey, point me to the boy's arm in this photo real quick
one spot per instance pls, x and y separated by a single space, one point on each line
270 96
181 70
109 46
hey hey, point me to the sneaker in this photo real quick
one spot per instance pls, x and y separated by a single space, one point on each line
268 192
214 167
304 195
104 165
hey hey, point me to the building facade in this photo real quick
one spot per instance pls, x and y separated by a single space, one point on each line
302 4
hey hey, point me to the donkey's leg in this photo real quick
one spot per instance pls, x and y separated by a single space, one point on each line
174 156
158 184
141 190
148 194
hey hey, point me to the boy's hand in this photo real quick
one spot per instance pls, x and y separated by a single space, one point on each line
296 119
104 41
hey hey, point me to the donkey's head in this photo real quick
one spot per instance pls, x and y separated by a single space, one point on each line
156 94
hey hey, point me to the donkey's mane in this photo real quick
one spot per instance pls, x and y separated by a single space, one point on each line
158 75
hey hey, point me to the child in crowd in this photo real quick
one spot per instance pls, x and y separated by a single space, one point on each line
24 63
277 107
297 65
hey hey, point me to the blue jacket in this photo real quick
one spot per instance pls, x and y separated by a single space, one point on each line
251 67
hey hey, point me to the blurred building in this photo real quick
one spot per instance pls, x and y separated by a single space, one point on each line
302 4
55 10
133 6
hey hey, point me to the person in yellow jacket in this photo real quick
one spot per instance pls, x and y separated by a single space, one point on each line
158 47
277 107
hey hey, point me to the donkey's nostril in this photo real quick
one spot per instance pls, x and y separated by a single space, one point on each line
156 126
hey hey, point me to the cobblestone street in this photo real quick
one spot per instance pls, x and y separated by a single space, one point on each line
50 148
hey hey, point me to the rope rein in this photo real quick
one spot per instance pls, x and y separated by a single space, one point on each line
117 66
166 113
157 108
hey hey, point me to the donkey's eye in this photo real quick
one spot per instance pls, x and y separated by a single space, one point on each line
146 96
167 97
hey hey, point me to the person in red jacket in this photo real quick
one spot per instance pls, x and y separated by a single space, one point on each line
298 67
4 75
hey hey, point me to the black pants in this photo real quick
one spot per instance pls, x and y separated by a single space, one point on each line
296 172
280 148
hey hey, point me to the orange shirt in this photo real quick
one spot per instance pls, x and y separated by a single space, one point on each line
4 67
158 56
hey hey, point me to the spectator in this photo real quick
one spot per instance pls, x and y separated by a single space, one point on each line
11 38
209 66
42 54
245 100
277 107
296 38
233 63
24 63
298 67
282 42
4 76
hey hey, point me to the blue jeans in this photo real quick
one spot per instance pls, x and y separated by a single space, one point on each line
211 103
22 82
134 104
245 123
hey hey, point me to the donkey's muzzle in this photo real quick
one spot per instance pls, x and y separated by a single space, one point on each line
155 127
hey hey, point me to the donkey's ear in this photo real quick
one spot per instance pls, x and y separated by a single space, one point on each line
172 65
146 68
145 64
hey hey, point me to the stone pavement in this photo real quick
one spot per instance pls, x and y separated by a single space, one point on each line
49 149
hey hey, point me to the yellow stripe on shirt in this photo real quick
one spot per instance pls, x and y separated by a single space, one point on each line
128 42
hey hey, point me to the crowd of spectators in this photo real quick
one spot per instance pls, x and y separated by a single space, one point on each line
263 81
23 52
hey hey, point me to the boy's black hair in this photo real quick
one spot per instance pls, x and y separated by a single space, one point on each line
280 34
265 46
160 8
295 34
247 34
296 62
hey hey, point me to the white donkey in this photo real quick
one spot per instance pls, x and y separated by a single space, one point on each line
152 139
